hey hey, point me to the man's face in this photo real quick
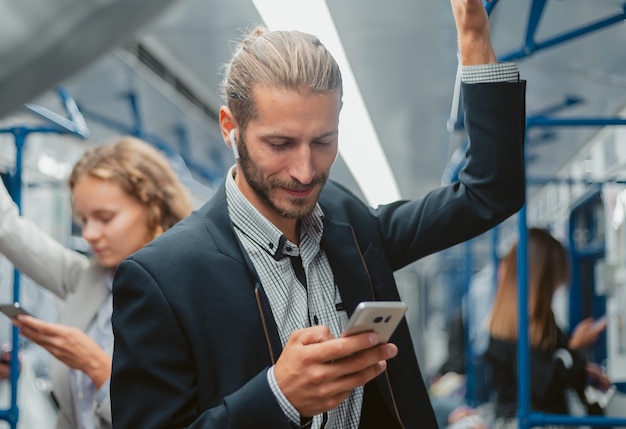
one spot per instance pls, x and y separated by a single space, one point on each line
287 151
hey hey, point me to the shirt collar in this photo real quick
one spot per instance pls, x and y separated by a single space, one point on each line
247 219
108 279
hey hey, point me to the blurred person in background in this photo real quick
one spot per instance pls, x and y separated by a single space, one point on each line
556 367
123 194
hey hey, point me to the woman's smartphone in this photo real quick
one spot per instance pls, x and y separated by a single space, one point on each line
381 317
13 310
606 318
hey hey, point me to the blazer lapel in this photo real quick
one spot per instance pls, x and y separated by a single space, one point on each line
220 229
355 285
346 260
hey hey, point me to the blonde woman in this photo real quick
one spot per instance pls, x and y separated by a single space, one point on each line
124 194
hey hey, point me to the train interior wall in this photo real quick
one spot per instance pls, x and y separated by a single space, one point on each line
434 288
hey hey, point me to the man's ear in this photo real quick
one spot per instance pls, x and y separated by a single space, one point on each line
227 123
228 128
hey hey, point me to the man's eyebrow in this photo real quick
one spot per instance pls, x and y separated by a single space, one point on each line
285 136
327 134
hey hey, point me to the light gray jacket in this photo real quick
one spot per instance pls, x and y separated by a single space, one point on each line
80 282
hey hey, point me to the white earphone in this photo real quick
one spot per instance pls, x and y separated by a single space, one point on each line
233 144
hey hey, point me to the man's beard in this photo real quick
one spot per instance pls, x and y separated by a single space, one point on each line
296 207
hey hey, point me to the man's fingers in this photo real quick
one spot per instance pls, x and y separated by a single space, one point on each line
336 390
326 347
311 335
355 379
347 346
345 374
317 371
326 394
361 360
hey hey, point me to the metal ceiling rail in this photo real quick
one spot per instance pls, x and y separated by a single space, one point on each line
74 123
536 13
531 46
136 129
545 180
542 121
457 160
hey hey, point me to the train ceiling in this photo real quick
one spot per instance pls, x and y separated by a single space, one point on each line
152 67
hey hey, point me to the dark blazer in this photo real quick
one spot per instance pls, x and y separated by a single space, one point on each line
194 333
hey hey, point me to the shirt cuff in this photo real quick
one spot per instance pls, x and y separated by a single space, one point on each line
489 73
290 411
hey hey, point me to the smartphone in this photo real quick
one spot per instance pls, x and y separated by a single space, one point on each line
13 309
381 317
606 318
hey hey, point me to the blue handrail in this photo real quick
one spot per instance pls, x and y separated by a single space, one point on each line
531 46
136 128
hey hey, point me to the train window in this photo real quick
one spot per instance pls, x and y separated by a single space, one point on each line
588 222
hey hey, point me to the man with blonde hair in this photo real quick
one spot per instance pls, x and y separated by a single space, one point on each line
233 319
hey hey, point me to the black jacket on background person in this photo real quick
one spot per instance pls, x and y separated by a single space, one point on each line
194 333
550 378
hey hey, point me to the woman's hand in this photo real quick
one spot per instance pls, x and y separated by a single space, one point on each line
586 333
5 364
69 345
5 368
601 381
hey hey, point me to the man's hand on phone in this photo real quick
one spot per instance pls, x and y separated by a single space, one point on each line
317 371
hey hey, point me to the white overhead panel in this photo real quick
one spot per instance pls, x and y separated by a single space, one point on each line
43 42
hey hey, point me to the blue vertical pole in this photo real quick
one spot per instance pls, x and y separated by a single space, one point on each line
523 344
494 255
466 317
15 181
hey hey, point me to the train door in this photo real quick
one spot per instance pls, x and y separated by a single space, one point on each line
587 297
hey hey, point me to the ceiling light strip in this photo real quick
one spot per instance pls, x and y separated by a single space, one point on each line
359 145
